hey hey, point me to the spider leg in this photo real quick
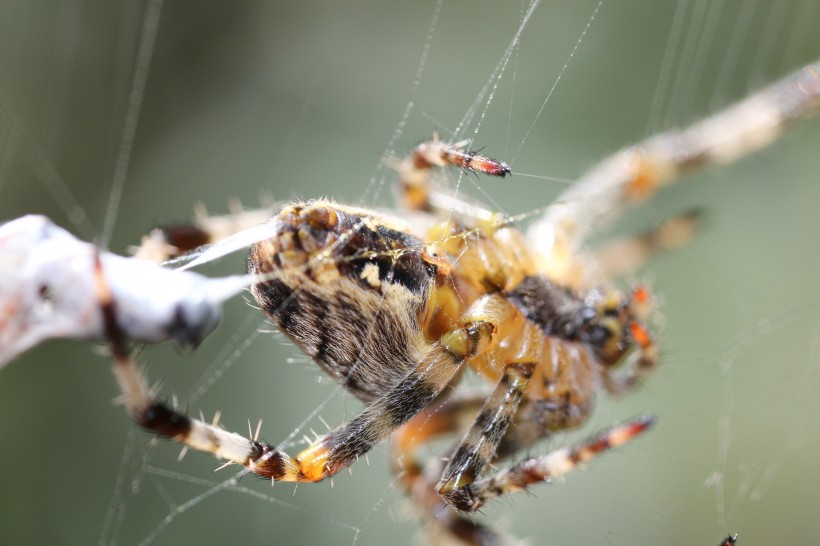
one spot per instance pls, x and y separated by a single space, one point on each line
438 419
617 258
171 241
333 451
618 384
538 418
631 176
478 446
459 487
542 469
417 192
418 389
534 420
730 540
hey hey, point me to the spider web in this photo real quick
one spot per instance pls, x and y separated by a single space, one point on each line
178 102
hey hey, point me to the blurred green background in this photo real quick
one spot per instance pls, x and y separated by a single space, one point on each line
301 100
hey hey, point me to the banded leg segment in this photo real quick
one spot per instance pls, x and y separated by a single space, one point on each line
538 418
478 446
617 258
168 242
542 469
156 417
631 176
442 523
153 415
414 172
436 420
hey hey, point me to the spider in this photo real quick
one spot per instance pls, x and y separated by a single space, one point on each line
405 463
397 322
397 312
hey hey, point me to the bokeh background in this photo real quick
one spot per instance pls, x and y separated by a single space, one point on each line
300 100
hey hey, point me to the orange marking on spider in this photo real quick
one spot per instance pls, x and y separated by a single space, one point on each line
640 335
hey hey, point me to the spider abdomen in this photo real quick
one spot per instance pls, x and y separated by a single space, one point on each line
348 289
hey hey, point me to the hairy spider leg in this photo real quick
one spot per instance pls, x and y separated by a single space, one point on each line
414 171
542 469
617 258
478 446
333 451
631 176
